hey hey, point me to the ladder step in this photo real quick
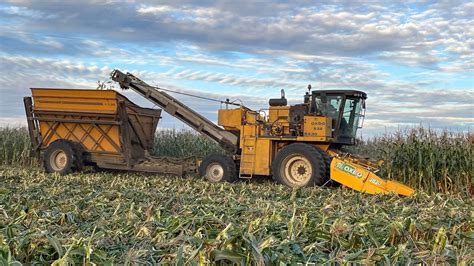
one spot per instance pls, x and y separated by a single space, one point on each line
247 159
245 176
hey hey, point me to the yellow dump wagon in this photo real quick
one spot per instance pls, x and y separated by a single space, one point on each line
76 127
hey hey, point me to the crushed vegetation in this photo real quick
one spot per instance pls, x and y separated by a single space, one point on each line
132 218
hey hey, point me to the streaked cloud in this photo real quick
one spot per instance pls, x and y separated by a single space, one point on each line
415 60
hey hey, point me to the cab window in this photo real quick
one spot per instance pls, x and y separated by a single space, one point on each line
350 117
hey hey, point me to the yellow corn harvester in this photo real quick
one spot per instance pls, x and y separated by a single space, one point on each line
299 145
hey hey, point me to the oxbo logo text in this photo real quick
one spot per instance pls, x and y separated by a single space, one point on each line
348 169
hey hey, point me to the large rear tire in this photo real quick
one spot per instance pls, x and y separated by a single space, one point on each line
299 165
217 168
62 157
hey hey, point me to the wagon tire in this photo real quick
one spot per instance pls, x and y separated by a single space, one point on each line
217 168
79 157
62 157
300 165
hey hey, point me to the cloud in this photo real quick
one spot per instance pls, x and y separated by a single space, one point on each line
299 26
392 105
22 12
21 73
398 53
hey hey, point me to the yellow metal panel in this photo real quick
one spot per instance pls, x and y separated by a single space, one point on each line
75 100
278 117
233 119
230 119
256 156
278 113
299 138
262 158
358 178
91 138
247 145
317 126
247 132
250 116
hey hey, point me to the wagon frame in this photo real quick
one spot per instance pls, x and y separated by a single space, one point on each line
106 129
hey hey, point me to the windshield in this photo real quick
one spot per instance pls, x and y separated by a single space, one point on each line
350 117
330 108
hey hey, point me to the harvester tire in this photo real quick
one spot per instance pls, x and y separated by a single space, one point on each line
62 157
217 168
327 160
299 165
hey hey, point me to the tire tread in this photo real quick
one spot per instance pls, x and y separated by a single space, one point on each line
73 152
312 153
230 167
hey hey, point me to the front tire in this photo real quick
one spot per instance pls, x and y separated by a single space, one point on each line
299 165
218 168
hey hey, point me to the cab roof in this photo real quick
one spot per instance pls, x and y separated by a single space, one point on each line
355 93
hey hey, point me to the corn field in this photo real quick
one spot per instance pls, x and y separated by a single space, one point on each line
136 218
127 218
422 158
15 147
183 143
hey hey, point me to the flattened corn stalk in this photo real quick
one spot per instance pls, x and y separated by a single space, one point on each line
127 218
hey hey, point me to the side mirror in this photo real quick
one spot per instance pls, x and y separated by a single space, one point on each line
363 104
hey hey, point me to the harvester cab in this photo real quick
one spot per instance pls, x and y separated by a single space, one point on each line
346 108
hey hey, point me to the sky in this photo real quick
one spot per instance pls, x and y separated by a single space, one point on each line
414 59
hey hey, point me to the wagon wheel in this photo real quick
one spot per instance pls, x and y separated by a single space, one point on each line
62 157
